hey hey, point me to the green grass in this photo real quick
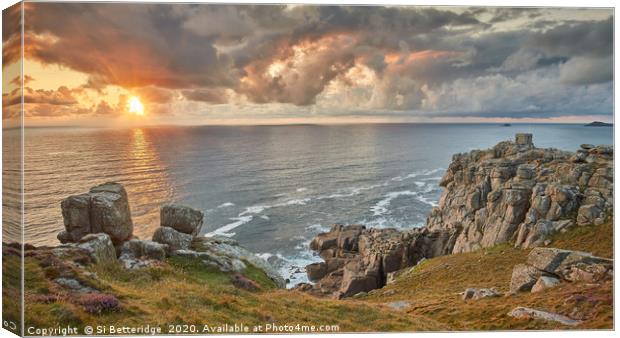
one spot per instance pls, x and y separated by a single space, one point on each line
184 291
11 290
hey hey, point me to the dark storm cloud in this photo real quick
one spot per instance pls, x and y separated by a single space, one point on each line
576 38
506 14
421 58
131 45
11 33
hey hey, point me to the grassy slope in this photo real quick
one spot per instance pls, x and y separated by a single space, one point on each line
183 291
432 288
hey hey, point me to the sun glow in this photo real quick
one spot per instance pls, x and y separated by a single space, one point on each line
135 106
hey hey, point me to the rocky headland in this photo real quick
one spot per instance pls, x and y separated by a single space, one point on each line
512 193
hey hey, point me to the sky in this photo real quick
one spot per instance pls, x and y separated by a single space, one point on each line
92 64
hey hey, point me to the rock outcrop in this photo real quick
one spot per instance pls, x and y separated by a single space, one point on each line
104 209
181 218
99 247
98 225
475 294
135 253
357 259
175 240
229 255
529 313
517 192
548 267
513 192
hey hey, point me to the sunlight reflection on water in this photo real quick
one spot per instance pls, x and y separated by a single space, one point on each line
70 163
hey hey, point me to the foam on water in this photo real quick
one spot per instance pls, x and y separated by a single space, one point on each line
382 206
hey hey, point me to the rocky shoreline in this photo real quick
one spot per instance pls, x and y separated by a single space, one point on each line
513 192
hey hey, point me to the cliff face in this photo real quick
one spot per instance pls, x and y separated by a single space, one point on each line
513 192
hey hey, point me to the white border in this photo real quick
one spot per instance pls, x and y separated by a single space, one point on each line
488 3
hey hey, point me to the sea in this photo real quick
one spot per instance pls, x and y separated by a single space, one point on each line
272 188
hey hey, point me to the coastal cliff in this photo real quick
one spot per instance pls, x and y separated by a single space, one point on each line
513 192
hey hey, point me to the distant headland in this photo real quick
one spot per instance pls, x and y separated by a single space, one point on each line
599 124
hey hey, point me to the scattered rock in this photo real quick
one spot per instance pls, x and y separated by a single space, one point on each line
174 239
227 247
143 248
399 305
181 218
475 294
99 247
588 214
73 285
545 282
529 313
589 273
222 263
548 267
567 264
390 292
523 278
303 287
360 295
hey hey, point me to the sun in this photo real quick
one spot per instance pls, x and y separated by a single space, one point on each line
135 106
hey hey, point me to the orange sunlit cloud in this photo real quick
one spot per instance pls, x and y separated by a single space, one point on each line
207 63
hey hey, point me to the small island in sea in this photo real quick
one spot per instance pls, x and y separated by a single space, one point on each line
599 124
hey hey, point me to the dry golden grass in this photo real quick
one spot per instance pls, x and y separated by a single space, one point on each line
184 292
433 288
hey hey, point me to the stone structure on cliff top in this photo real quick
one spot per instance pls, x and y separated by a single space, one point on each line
513 192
